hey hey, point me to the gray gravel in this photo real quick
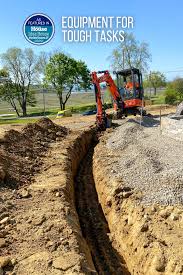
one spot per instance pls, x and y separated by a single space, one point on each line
148 161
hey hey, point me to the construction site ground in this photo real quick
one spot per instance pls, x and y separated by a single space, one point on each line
73 201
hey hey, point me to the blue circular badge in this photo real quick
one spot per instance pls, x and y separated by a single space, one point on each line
38 29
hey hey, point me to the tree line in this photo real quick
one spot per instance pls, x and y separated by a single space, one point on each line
133 53
22 69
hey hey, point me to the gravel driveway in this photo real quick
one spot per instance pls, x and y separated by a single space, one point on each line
148 161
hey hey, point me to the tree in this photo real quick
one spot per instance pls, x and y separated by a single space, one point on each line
177 85
155 80
24 70
7 90
131 53
170 96
174 91
43 61
8 94
3 73
63 73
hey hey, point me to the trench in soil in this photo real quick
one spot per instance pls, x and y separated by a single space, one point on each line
93 224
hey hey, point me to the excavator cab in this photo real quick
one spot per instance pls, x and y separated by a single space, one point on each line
130 80
130 87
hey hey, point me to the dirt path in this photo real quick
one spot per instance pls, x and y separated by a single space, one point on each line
93 223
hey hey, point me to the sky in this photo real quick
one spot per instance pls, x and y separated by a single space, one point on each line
157 22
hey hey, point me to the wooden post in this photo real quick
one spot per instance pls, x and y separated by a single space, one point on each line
160 119
44 102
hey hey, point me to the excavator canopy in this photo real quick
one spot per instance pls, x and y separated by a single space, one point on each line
130 78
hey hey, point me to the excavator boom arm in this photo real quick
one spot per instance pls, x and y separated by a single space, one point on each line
105 77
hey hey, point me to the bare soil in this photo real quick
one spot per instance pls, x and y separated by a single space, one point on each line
20 152
138 175
39 226
93 223
65 210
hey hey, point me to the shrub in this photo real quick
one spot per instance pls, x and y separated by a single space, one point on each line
170 96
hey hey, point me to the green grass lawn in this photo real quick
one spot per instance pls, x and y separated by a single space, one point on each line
160 99
157 99
52 102
17 121
78 103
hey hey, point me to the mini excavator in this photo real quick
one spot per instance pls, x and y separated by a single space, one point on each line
127 94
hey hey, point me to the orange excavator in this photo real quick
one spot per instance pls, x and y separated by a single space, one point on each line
127 94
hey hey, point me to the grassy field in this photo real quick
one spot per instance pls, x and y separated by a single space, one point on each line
78 102
52 102
17 121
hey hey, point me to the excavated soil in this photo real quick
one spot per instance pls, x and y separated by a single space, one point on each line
71 206
39 227
93 223
21 152
138 177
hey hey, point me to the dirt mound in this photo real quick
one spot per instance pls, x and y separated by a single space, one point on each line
39 226
20 152
44 130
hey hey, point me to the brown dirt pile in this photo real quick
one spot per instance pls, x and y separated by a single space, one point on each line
39 227
20 152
